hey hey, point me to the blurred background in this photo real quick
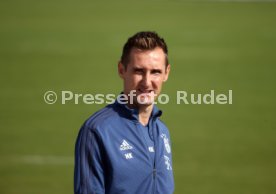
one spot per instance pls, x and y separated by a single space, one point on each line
75 45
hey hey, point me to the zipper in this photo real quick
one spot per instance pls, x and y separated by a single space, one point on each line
155 153
154 179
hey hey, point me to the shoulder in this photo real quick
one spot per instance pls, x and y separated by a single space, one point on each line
161 124
163 129
102 118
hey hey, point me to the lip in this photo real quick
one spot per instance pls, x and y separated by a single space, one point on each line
145 91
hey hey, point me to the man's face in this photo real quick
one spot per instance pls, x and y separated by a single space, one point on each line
145 73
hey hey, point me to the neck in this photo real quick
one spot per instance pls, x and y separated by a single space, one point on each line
144 114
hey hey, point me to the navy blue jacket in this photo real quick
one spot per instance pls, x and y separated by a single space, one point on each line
112 155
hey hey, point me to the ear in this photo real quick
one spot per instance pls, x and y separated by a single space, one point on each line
167 72
121 69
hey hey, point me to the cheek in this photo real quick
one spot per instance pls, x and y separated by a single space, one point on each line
158 82
136 79
132 81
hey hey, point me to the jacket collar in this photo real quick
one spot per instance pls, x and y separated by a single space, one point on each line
133 114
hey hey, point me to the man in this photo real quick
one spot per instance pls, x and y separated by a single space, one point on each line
125 148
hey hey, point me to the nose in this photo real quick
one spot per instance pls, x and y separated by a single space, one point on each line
146 80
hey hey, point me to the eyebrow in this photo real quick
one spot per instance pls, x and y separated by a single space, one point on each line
138 68
152 70
157 70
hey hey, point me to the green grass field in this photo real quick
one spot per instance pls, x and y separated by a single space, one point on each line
75 45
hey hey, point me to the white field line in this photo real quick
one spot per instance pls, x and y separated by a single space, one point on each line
45 160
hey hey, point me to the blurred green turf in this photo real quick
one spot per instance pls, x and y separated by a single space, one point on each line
75 45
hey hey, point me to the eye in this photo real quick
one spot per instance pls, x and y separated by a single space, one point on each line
156 71
138 71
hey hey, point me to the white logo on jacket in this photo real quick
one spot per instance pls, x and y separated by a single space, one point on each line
166 143
151 149
125 146
128 156
168 162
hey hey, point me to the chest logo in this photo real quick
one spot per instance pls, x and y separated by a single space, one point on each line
151 149
166 143
125 146
128 156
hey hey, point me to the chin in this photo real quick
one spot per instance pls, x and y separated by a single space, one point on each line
145 100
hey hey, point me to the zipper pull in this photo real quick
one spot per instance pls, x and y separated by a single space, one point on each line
154 172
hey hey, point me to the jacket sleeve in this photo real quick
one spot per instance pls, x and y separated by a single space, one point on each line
89 170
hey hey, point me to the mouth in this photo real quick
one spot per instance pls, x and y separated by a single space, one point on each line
141 91
145 96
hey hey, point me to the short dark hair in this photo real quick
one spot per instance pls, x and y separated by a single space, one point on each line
145 40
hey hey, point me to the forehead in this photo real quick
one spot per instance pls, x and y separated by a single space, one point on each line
150 58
